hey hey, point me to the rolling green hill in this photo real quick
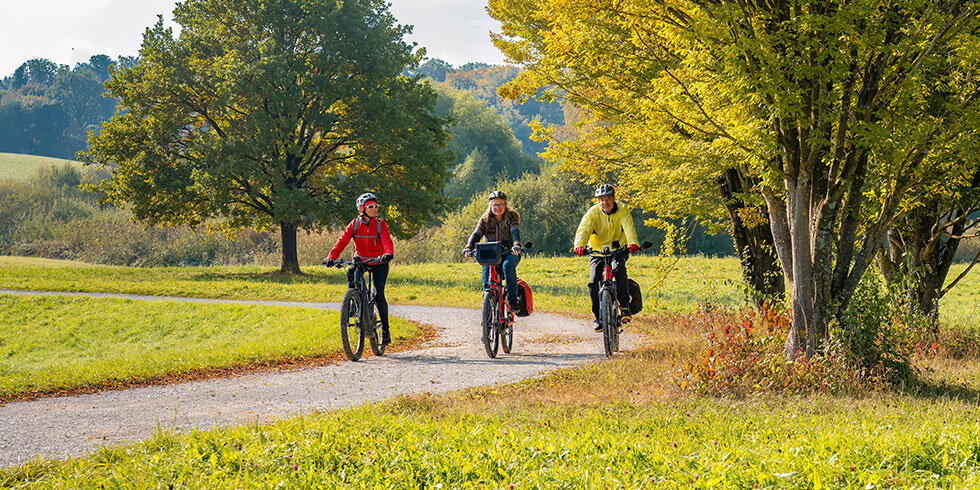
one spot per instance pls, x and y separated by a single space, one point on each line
16 166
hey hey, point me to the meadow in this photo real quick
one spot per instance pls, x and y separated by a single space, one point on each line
558 283
617 424
16 166
625 422
670 285
76 343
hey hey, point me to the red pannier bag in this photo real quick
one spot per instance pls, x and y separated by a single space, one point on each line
524 298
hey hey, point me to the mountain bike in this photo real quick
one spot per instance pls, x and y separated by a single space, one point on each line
497 318
609 308
358 313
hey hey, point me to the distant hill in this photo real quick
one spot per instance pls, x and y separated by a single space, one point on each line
483 80
15 166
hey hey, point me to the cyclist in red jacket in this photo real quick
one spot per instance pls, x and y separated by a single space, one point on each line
371 240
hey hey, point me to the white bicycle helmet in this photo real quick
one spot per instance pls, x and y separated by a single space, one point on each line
364 198
604 190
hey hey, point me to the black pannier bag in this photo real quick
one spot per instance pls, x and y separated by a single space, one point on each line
636 298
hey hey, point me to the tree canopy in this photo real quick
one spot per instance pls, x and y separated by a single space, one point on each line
485 147
48 109
841 112
274 114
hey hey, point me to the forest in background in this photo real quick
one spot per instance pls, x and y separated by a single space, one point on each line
48 109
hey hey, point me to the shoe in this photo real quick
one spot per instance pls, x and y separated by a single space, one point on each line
514 306
624 319
598 326
385 337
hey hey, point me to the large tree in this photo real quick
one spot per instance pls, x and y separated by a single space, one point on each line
839 109
274 113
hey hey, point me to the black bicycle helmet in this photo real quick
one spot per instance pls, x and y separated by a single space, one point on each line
604 190
364 198
498 194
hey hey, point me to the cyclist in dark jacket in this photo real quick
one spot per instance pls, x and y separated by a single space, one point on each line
501 224
371 239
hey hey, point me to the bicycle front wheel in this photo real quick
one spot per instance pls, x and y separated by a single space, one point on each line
351 324
607 316
490 338
373 330
507 332
507 338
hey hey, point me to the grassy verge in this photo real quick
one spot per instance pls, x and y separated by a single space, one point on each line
621 423
609 425
50 344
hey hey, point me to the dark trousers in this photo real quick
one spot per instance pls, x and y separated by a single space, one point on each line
380 277
619 275
509 265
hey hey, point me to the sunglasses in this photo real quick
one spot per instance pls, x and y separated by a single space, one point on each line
371 206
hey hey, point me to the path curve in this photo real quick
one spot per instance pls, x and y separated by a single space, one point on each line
76 425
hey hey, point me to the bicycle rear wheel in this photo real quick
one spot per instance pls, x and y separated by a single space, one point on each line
607 316
351 324
490 338
373 331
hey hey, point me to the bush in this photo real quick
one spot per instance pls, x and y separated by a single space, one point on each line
744 355
879 331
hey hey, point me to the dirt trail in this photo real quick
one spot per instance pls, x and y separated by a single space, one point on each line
74 426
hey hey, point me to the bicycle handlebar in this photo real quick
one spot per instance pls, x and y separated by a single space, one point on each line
356 260
590 251
469 252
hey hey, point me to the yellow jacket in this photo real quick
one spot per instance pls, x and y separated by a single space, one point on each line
598 228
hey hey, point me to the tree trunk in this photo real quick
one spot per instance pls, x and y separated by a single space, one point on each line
290 259
753 241
919 255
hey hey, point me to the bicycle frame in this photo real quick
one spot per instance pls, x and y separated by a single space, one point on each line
496 286
366 322
607 275
610 330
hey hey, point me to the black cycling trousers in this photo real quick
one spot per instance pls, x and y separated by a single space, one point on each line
380 278
619 275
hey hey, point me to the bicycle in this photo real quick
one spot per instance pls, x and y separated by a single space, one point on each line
497 318
609 309
357 321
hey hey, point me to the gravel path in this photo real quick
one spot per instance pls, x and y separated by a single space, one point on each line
74 426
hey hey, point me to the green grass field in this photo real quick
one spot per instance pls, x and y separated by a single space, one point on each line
528 435
15 166
558 283
55 343
620 423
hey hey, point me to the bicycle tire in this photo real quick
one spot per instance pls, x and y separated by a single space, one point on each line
491 340
606 315
507 339
374 338
351 324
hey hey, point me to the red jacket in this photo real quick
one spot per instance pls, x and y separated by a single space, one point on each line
368 240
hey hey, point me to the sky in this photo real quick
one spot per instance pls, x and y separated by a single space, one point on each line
70 31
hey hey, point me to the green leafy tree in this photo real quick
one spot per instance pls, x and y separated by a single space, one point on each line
840 110
274 114
485 147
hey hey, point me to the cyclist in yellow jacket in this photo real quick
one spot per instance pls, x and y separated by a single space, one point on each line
607 223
